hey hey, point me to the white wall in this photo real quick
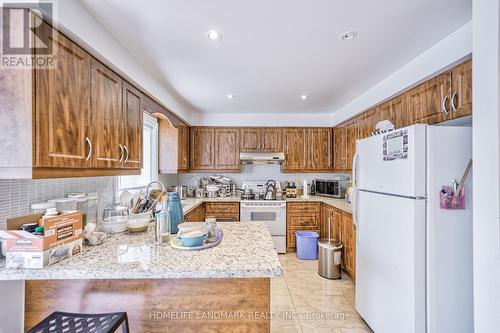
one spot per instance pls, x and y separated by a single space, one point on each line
486 179
11 306
444 54
76 21
262 119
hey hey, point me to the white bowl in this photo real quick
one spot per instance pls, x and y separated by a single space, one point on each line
190 226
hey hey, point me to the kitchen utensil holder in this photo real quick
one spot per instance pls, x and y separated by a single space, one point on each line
452 201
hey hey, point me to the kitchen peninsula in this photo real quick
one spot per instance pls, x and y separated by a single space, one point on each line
225 288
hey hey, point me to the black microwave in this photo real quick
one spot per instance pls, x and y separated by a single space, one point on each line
334 188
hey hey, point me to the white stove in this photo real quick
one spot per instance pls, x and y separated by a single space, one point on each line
272 212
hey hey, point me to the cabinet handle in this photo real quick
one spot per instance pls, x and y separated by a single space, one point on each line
452 102
89 143
122 152
443 105
125 160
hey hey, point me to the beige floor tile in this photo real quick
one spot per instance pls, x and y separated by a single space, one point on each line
285 326
321 305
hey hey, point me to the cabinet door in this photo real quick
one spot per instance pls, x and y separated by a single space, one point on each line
107 116
183 148
227 149
428 103
461 90
351 137
223 211
367 122
295 149
271 140
349 242
339 148
329 216
320 149
132 116
250 139
202 148
394 111
62 109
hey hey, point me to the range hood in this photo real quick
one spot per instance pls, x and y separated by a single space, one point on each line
262 158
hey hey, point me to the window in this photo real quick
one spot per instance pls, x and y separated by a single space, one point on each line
149 171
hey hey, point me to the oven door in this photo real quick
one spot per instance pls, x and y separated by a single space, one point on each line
274 217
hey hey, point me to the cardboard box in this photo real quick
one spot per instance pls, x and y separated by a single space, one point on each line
62 239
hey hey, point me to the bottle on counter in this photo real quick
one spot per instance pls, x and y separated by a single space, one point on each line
176 212
313 187
163 226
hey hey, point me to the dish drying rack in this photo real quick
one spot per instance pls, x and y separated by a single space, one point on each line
145 200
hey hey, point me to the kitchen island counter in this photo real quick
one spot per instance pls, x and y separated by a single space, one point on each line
246 250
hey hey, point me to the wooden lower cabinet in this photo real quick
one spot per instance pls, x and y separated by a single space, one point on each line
348 238
197 214
314 216
151 304
223 211
301 216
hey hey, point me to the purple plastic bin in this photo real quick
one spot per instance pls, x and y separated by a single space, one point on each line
307 245
451 201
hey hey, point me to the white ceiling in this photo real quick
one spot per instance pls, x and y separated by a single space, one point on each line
271 52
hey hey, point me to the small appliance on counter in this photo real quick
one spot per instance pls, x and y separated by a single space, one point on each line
334 187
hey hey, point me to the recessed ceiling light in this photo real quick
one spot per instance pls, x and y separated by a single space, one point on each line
214 35
230 96
351 34
303 97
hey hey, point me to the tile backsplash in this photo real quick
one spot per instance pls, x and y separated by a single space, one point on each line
16 196
257 172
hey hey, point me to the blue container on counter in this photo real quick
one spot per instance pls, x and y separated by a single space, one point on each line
307 245
176 212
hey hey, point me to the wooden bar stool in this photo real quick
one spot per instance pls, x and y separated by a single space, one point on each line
63 322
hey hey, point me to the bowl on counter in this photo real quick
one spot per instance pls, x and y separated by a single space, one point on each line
138 222
192 238
190 226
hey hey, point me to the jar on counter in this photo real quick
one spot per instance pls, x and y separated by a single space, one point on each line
41 207
88 204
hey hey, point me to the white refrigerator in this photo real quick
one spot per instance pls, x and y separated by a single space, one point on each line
413 259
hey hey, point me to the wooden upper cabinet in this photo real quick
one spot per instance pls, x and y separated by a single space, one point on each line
227 149
394 111
339 148
320 149
271 140
250 139
202 152
133 128
295 149
268 140
429 103
352 134
62 108
107 116
183 147
461 90
367 122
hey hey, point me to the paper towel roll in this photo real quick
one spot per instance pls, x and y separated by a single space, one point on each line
305 193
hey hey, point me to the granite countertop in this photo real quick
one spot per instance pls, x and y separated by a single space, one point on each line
190 203
246 250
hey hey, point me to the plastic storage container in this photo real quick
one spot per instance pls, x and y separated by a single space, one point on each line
451 201
87 203
307 245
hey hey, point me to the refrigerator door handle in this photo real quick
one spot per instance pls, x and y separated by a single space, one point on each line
354 198
354 175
